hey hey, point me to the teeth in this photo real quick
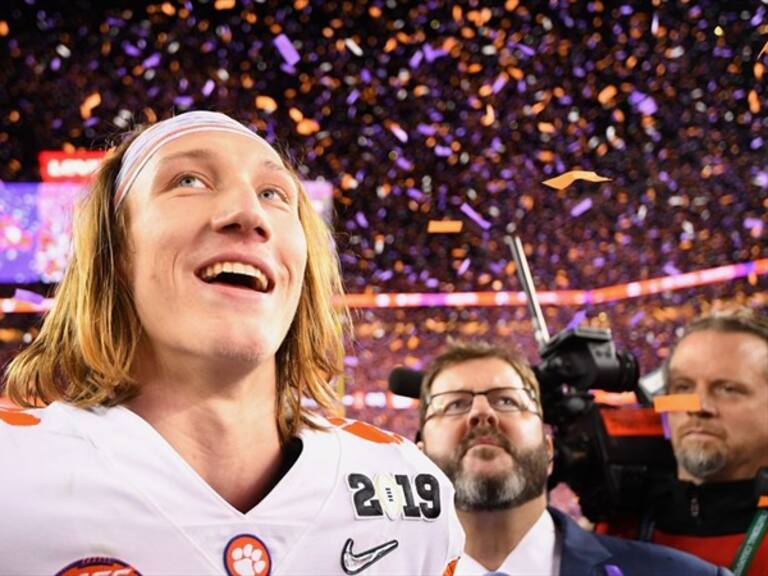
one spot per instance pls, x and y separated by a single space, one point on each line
210 272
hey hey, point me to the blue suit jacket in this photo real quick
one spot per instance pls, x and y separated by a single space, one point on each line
588 554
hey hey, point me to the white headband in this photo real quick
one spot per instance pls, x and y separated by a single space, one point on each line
153 138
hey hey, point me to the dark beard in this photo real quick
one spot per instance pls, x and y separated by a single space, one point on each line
526 480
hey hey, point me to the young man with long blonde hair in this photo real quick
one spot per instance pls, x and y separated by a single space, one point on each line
165 429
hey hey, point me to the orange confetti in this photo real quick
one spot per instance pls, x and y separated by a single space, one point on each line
763 51
444 226
266 103
607 94
677 403
546 127
489 117
89 104
348 182
754 102
762 502
307 126
4 28
295 114
566 179
224 4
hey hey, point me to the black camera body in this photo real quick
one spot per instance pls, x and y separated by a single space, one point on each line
610 456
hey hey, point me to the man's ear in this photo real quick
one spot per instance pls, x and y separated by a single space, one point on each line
550 451
420 445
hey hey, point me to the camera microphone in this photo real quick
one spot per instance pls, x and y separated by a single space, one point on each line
405 382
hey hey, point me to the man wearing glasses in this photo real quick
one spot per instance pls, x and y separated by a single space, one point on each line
481 422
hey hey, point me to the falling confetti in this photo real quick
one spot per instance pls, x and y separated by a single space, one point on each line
763 50
581 207
677 403
287 50
564 180
91 102
444 226
469 211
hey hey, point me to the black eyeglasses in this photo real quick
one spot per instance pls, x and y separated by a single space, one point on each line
507 399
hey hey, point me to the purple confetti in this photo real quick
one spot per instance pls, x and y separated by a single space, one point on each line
208 87
151 61
499 83
287 50
184 101
636 317
28 296
581 207
527 50
353 96
130 49
443 151
404 163
670 269
469 211
613 570
755 225
431 54
399 133
361 220
643 103
577 319
415 59
665 425
426 129
415 194
463 267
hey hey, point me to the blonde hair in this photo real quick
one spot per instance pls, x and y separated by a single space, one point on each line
86 346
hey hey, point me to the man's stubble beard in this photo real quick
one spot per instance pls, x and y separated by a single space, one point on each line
524 481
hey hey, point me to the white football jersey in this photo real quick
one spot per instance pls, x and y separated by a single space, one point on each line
100 493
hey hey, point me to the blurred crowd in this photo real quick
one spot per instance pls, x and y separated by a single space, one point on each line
645 327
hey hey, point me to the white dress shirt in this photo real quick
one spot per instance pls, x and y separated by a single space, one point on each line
537 554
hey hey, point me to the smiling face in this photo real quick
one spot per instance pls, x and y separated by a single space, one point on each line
496 460
218 252
728 438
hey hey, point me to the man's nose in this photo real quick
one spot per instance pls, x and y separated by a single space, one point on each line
707 403
240 209
481 413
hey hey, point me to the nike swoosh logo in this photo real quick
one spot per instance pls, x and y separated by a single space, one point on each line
355 563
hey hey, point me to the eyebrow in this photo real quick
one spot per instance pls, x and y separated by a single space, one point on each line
207 153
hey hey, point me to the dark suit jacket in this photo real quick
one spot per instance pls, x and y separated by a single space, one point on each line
588 554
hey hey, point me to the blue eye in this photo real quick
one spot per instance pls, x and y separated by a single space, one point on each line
273 194
190 181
